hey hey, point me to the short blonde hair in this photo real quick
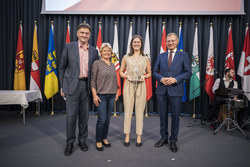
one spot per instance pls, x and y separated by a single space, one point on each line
172 33
106 44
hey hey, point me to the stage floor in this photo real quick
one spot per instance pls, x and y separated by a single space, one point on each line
41 143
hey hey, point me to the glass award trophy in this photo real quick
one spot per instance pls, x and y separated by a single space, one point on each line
136 76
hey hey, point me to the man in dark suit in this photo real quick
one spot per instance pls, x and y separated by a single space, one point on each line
75 67
170 70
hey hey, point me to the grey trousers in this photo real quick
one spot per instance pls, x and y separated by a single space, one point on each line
77 107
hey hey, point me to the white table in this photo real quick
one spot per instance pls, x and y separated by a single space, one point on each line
22 97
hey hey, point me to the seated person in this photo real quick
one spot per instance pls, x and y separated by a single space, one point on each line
227 82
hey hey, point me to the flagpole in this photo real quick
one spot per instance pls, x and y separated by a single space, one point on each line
147 34
52 106
37 113
21 112
146 113
100 24
180 23
52 99
21 25
193 116
52 25
116 63
115 115
68 28
194 54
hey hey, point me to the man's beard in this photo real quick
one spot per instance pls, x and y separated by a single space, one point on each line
230 76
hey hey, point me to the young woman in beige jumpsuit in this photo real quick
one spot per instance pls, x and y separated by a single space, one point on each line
136 64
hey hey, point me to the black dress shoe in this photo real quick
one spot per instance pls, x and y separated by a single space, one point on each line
68 149
126 144
138 144
99 148
106 145
83 146
161 142
173 147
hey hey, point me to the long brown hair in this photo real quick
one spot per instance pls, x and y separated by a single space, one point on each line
131 52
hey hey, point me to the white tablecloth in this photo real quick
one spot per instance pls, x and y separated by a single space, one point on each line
22 97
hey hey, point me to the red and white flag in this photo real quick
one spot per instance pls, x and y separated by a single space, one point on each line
229 60
210 66
129 37
68 34
163 40
99 39
115 58
128 49
148 81
163 44
244 66
35 74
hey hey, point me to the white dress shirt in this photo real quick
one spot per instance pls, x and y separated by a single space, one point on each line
217 84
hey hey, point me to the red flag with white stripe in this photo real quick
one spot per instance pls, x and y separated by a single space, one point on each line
210 66
163 44
68 34
229 60
99 39
163 40
244 66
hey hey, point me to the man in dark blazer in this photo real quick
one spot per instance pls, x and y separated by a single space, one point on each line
74 75
170 70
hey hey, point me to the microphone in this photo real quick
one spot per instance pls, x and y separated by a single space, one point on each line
216 72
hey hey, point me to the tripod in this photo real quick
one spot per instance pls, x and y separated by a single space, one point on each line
229 121
245 105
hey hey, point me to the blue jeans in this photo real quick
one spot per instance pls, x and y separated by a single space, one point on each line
105 109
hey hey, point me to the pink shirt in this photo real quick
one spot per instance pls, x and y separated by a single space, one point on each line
84 59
